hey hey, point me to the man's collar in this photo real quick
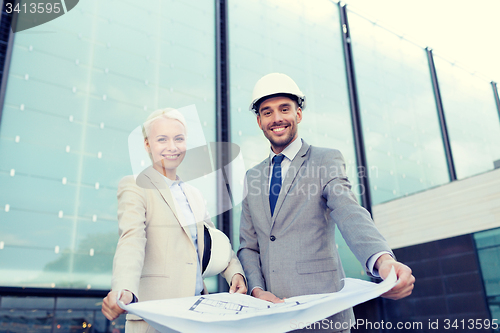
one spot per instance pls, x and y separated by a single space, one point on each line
290 151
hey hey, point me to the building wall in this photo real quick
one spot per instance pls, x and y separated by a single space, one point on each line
449 285
79 85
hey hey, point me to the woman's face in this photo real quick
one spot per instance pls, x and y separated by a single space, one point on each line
167 144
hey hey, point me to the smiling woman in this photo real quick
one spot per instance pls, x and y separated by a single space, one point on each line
165 140
163 223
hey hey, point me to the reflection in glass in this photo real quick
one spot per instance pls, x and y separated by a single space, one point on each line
404 148
73 96
303 40
488 250
55 314
472 118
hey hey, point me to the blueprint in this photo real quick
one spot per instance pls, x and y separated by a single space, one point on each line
225 312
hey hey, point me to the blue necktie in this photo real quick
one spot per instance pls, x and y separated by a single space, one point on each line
275 188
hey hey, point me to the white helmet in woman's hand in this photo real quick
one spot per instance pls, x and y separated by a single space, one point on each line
217 252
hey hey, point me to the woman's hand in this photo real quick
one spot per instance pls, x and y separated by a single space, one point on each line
110 308
238 285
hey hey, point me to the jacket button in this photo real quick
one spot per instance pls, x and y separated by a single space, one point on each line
272 238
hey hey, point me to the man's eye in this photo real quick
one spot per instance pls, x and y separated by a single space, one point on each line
285 109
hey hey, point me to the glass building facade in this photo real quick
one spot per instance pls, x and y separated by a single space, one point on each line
76 87
75 92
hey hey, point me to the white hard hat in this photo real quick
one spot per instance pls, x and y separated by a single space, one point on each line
273 84
217 252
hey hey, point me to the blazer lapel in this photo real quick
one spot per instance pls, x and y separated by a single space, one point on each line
264 181
290 177
160 184
198 217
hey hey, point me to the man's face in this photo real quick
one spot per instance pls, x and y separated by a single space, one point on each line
167 144
278 118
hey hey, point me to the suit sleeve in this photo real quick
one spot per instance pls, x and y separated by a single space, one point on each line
353 221
249 252
129 256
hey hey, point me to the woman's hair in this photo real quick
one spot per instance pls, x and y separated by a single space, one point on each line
168 113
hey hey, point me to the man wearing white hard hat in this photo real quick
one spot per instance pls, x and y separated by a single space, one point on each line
295 198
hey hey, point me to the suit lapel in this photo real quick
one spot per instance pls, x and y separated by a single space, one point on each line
290 177
160 184
264 181
198 217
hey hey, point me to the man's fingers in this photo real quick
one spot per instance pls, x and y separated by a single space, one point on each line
406 282
270 297
401 290
277 300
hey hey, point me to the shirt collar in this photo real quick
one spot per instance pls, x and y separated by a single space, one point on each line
171 182
290 151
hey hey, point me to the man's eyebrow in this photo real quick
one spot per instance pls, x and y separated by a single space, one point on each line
281 105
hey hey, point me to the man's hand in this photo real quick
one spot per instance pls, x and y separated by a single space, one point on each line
403 272
266 296
110 308
238 284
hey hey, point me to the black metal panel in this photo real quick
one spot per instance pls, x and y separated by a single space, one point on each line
224 220
52 292
6 42
442 120
355 110
449 285
497 99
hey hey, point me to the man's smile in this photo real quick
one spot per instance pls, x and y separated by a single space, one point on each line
279 129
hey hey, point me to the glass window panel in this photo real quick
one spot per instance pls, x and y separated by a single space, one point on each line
37 195
488 250
303 41
26 321
65 105
73 321
30 302
471 118
398 112
73 96
24 266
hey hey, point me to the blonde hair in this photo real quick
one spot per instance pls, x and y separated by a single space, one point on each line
167 113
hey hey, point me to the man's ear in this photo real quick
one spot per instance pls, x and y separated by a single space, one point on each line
299 115
258 121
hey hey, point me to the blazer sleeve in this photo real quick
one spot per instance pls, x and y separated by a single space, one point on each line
354 221
130 250
249 251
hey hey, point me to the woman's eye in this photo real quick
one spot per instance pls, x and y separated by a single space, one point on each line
161 140
180 139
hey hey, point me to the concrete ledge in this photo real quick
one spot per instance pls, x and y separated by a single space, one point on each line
461 207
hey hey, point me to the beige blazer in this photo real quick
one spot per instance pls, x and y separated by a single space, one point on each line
155 257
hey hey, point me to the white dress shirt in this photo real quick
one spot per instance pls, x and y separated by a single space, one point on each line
180 197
